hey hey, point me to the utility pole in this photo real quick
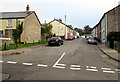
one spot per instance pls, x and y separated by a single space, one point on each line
65 28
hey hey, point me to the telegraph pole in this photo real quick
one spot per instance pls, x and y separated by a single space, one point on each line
65 28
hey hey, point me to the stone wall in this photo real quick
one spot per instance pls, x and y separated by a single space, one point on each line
32 29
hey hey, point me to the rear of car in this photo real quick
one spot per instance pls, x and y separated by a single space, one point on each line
70 37
55 41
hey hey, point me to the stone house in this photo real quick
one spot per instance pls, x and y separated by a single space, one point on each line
31 25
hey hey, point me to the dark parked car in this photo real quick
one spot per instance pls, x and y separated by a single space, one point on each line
92 41
55 40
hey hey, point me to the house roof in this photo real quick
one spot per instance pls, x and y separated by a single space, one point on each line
61 23
104 16
14 15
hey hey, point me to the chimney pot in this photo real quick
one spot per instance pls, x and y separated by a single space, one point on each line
27 8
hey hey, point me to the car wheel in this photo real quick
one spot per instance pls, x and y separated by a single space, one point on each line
61 43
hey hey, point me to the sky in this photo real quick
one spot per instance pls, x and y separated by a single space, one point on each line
79 13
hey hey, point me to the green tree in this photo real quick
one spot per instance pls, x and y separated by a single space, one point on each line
47 29
87 29
17 33
80 31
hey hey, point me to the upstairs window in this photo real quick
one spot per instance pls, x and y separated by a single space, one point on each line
1 32
9 23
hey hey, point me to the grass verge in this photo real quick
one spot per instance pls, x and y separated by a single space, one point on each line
20 45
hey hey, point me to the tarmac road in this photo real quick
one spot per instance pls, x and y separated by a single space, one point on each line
75 60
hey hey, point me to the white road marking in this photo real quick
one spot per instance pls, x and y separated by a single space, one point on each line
27 64
75 65
61 64
11 62
75 68
41 65
57 63
1 61
59 67
117 69
92 67
108 71
106 68
92 70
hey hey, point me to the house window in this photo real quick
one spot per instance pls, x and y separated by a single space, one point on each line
1 32
9 23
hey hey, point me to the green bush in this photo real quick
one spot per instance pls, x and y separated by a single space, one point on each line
118 51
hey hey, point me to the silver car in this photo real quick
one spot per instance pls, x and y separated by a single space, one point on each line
91 41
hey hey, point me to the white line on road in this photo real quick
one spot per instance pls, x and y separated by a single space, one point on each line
41 65
11 62
106 68
108 71
57 63
75 68
1 61
61 65
117 69
27 64
91 69
75 65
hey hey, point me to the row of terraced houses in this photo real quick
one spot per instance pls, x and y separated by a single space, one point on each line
31 26
108 24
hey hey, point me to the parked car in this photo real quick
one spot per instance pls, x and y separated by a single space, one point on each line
70 37
55 40
92 41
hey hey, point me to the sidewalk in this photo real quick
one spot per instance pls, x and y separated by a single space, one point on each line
110 52
21 50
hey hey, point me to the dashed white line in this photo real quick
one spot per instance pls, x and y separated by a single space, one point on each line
75 65
106 68
29 64
75 68
41 65
92 70
117 69
11 62
92 67
1 61
108 71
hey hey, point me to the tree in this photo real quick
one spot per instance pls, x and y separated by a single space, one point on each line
17 33
87 29
80 31
46 30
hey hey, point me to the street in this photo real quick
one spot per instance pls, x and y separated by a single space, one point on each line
75 60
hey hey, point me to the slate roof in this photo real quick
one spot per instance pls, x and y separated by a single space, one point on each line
61 23
14 15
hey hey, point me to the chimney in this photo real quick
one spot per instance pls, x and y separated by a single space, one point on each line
27 8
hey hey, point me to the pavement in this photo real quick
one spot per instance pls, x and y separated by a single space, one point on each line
110 52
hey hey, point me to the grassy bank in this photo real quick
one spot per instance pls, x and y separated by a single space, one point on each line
118 51
20 45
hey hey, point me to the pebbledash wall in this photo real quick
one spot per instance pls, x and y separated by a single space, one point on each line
110 22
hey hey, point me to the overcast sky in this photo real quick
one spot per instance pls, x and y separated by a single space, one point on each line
78 12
